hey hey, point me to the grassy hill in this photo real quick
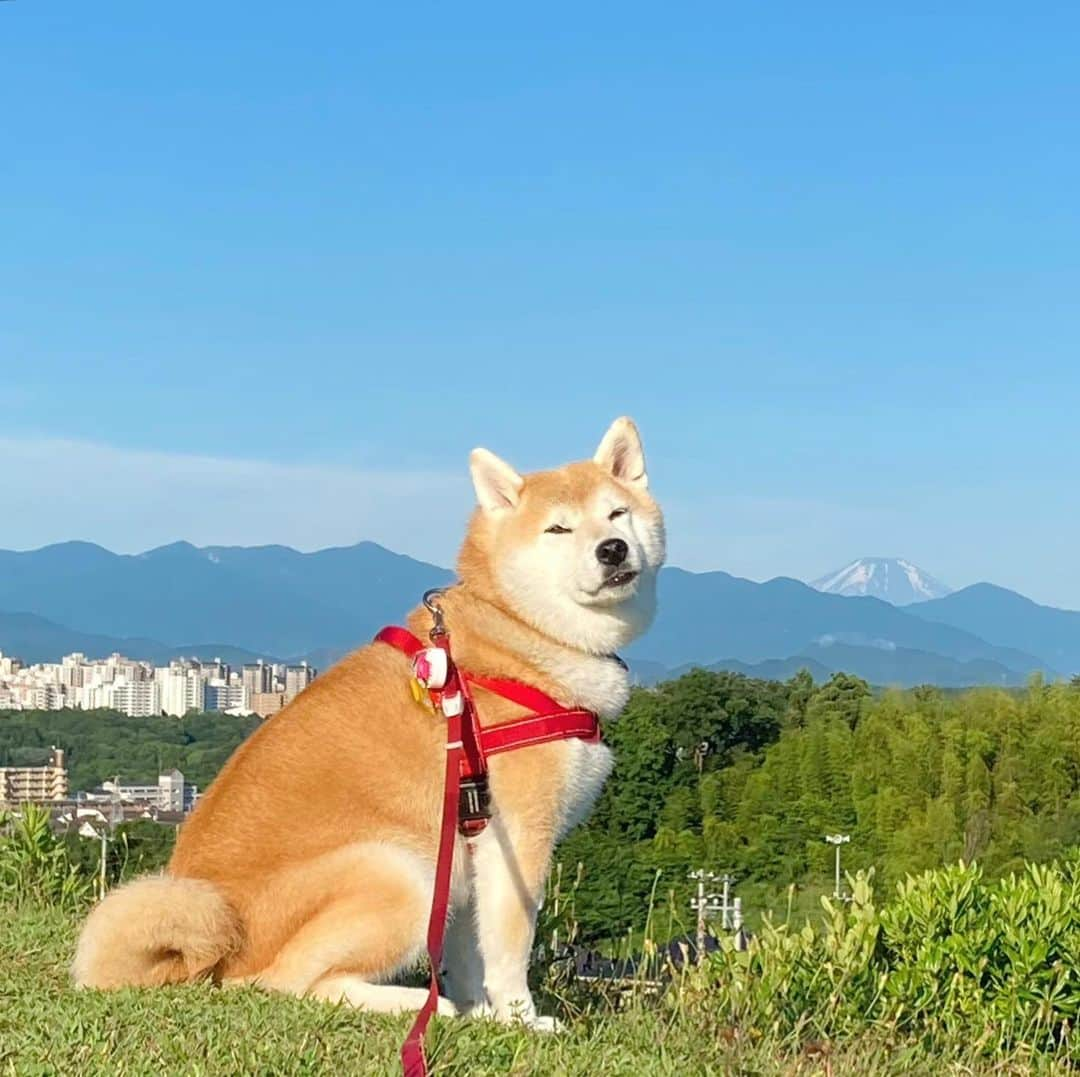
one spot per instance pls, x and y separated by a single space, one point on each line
48 1028
949 971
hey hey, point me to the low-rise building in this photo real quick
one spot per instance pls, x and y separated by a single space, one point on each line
265 704
35 784
172 793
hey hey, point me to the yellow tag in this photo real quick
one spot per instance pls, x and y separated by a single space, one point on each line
420 694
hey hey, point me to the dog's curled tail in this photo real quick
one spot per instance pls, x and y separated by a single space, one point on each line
153 931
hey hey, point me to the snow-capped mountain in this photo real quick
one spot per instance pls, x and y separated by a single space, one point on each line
890 578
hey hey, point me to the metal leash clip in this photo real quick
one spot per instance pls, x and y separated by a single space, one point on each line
431 603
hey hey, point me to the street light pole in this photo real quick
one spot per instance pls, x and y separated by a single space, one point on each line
837 840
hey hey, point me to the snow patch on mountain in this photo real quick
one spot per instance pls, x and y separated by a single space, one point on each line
889 578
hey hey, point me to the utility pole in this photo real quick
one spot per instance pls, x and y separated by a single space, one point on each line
725 908
104 855
703 904
116 812
116 816
837 840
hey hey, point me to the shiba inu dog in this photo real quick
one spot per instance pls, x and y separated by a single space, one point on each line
308 866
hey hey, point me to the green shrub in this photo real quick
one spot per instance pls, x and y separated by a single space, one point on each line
35 868
951 955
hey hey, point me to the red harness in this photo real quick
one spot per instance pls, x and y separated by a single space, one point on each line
466 798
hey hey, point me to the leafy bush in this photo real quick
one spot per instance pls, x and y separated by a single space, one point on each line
951 955
35 868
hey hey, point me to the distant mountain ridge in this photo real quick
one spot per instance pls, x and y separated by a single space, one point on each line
891 579
275 601
265 599
34 639
1011 620
899 665
880 665
703 616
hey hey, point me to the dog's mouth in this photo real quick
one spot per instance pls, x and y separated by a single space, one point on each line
619 579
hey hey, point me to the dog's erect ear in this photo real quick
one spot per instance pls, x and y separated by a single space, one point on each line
621 453
498 485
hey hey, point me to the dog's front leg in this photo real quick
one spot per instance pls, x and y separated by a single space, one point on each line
463 978
510 864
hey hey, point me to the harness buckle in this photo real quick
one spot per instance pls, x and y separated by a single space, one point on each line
474 805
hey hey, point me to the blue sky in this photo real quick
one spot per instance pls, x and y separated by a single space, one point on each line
270 270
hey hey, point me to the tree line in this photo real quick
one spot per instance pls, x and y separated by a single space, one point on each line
101 744
731 773
745 776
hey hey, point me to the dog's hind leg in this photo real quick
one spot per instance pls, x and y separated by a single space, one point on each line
378 998
368 916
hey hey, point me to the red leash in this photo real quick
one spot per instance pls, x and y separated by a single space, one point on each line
466 799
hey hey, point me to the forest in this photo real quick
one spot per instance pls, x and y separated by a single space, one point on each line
733 774
102 744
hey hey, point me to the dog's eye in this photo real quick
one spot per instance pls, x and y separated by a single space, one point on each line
558 529
617 513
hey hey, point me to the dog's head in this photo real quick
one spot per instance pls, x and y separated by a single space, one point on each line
575 551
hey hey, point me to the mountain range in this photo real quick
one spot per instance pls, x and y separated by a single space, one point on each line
35 639
271 600
276 602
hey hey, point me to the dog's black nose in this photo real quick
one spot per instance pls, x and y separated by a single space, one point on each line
612 552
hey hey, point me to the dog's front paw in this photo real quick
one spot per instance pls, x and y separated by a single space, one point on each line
482 1011
548 1025
521 1014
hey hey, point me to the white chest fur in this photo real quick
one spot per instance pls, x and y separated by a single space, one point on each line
598 684
601 685
588 767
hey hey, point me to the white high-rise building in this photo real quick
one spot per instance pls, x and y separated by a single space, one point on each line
138 699
297 678
47 697
71 670
181 687
222 696
258 677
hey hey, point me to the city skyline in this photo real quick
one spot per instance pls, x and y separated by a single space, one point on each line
136 687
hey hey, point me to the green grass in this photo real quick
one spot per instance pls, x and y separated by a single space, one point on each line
48 1028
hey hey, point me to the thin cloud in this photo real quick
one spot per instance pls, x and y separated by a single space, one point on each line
132 499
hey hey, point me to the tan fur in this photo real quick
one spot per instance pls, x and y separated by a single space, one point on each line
308 865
